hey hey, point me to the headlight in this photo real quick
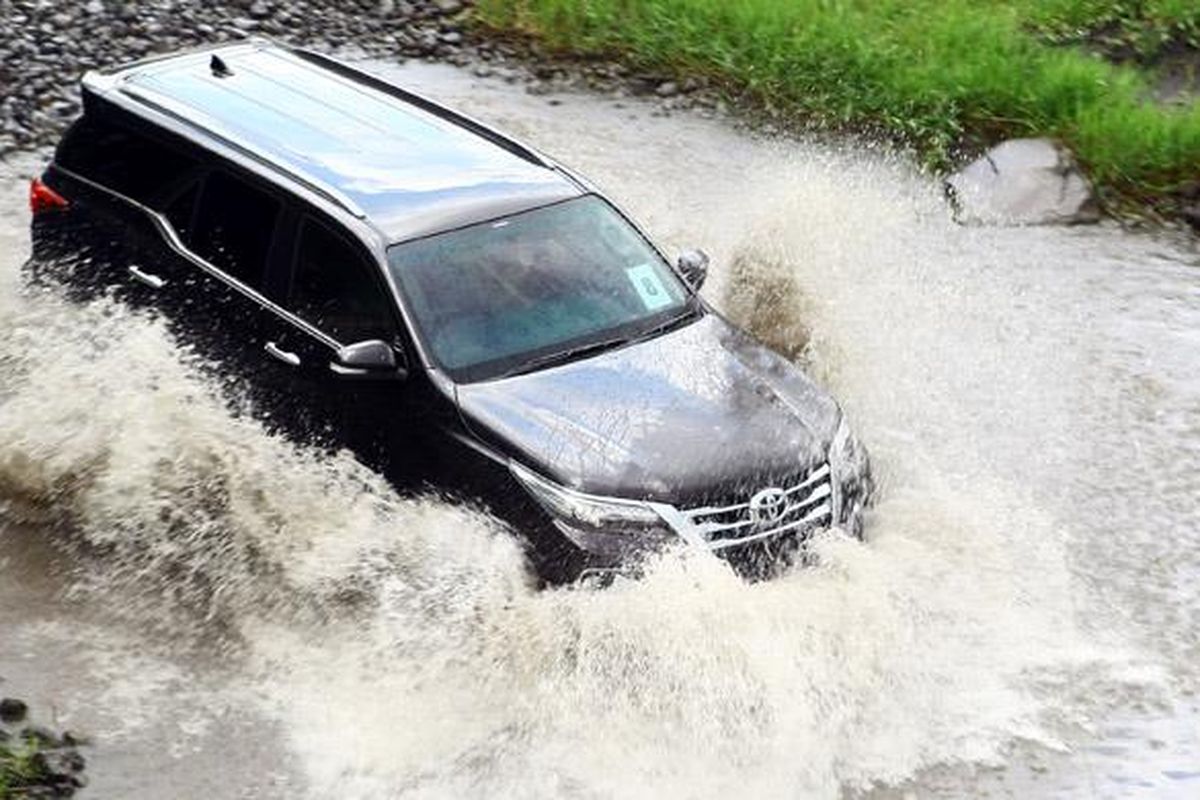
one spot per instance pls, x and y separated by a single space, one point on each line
585 509
596 524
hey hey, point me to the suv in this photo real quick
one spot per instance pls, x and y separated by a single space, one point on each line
388 275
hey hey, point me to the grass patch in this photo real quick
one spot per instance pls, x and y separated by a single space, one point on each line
20 769
1140 30
940 75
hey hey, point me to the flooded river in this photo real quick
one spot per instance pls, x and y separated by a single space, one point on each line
228 615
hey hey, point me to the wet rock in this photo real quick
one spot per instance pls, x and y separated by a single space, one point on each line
667 89
1191 215
1023 182
12 710
41 736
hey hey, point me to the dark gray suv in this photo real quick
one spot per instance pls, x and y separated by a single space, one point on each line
381 273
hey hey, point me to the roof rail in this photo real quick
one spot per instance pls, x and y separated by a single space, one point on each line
102 87
494 136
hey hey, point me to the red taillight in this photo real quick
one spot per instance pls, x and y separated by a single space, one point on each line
43 198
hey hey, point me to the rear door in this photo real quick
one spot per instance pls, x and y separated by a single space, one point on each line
233 229
110 167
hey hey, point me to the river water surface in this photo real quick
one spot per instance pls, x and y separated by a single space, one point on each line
228 615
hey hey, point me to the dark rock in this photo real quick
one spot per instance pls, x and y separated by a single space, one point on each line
1023 182
63 762
72 739
43 737
12 710
1191 215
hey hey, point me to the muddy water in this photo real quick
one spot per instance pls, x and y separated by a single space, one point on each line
231 616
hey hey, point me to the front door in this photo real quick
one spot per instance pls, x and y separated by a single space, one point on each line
335 296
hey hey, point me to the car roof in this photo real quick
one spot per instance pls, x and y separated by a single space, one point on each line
403 163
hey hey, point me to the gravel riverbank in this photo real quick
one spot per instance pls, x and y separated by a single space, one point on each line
45 48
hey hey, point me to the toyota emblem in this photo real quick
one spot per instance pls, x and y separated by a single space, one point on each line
768 505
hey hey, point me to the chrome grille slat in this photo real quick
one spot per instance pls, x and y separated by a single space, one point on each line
819 493
713 525
820 511
705 511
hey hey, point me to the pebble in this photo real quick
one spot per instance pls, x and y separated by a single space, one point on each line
12 710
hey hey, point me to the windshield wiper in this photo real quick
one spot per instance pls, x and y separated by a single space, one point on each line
689 312
576 353
563 356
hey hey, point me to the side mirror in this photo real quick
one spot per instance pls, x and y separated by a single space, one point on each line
693 266
373 358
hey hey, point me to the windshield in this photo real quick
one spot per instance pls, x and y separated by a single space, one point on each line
494 297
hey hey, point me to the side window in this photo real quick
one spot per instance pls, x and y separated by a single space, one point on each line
234 227
335 289
121 159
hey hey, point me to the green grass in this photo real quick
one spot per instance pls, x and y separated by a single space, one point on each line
937 74
1140 29
19 769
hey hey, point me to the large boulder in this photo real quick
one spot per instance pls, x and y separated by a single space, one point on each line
1023 182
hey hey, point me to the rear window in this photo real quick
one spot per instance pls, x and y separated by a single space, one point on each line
121 159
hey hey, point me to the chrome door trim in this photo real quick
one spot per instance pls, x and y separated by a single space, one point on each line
175 243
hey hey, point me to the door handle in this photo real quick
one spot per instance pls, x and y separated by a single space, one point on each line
291 359
151 280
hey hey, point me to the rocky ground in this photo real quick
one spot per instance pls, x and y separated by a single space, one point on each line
35 762
45 47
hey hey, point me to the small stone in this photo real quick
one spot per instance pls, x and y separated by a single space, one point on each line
448 7
1191 215
386 8
452 37
259 9
94 7
72 739
12 710
44 737
667 89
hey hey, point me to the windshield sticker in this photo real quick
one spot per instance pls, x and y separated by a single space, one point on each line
649 287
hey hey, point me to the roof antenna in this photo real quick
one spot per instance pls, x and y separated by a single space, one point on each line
219 68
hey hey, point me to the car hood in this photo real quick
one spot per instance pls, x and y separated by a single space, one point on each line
677 416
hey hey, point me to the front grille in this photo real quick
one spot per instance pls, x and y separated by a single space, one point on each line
806 503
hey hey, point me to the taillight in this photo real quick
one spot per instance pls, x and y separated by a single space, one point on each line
42 198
